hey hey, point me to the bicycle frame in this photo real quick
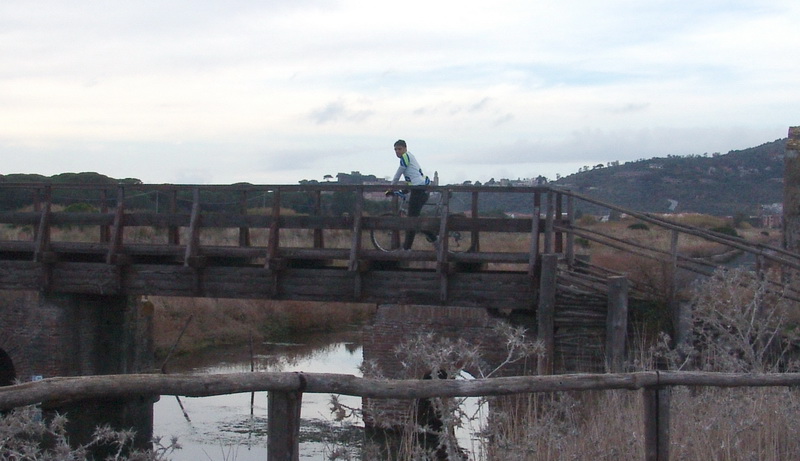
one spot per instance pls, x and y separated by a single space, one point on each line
388 239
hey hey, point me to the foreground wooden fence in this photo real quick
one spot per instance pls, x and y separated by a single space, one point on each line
286 390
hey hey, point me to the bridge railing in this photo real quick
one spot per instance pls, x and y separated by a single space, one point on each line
674 257
286 390
193 224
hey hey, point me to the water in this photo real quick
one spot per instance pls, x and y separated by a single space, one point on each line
225 428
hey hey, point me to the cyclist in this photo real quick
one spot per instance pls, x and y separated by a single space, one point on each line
411 171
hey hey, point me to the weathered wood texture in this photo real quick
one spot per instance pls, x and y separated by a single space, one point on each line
182 258
501 290
285 390
60 390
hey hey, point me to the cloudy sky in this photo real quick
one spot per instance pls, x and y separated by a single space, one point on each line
275 91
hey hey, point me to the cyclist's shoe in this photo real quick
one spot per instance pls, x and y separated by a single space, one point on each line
431 238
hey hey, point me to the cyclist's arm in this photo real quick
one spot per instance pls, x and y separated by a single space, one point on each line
398 174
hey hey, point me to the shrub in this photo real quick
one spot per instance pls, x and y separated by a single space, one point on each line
639 226
26 435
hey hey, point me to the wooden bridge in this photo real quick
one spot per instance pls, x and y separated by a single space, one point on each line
244 241
247 241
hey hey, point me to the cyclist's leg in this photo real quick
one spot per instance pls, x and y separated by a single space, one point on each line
415 204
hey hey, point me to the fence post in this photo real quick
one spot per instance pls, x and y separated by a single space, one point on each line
194 231
570 244
476 243
319 241
545 314
244 232
656 423
116 234
173 232
549 244
616 324
283 425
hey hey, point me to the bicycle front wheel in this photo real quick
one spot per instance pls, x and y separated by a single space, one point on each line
459 241
385 239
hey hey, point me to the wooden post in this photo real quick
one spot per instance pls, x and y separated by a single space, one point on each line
616 324
791 198
355 247
319 241
173 233
115 238
283 426
656 423
545 314
534 250
549 246
274 231
194 232
558 237
105 231
570 244
244 232
791 192
476 243
441 252
43 229
535 222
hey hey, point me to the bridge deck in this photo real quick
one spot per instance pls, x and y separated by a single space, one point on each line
75 239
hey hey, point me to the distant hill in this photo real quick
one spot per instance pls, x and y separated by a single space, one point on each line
738 182
724 185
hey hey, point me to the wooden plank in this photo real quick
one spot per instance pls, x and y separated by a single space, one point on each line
115 236
283 425
274 231
533 254
244 231
656 403
441 251
476 242
173 233
194 231
355 245
549 246
616 324
546 312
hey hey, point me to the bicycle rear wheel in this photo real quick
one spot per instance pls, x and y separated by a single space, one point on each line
459 241
386 239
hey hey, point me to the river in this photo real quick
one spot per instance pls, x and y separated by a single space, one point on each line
226 428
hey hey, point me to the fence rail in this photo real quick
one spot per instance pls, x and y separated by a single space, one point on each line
286 391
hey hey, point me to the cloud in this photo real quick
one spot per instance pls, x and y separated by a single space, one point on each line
338 111
266 90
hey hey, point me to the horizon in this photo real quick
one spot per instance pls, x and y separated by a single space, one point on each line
334 178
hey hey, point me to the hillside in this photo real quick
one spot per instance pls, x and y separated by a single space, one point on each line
734 183
738 182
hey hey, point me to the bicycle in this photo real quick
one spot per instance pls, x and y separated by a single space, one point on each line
389 239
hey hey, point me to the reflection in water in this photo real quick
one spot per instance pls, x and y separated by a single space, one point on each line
223 427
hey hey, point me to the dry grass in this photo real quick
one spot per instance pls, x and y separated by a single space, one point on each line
217 322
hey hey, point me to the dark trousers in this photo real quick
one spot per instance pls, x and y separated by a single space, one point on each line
415 203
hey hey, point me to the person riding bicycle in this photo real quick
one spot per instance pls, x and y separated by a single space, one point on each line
412 172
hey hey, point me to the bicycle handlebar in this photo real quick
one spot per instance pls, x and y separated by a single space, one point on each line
397 193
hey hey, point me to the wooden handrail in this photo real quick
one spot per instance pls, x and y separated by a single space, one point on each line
286 389
66 389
